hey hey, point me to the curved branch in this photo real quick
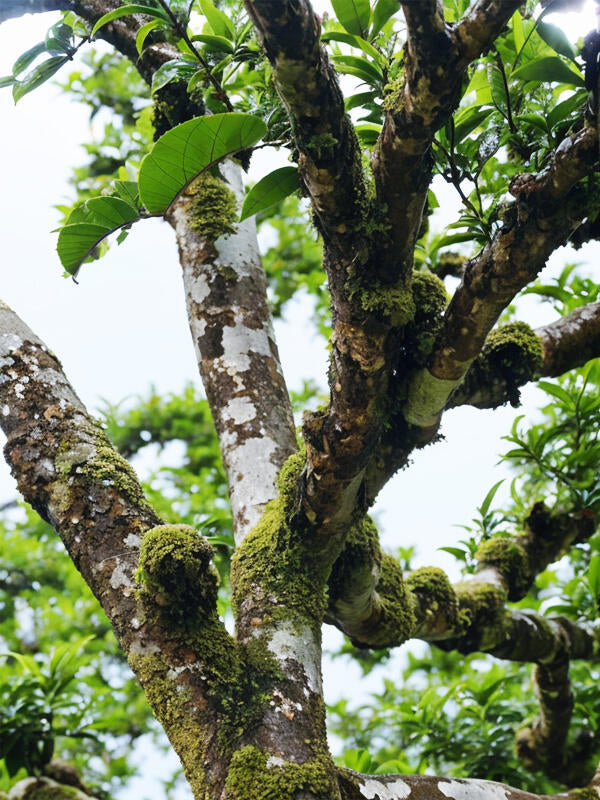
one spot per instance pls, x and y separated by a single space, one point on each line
536 224
482 23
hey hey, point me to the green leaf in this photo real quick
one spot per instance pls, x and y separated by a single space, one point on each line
58 39
518 32
218 21
216 44
549 70
360 68
593 574
360 99
368 133
461 555
7 80
24 60
467 121
90 223
484 507
384 10
556 38
38 75
144 31
124 11
128 191
357 42
353 15
172 71
270 190
188 149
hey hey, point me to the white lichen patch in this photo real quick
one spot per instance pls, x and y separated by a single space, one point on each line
372 789
275 761
252 480
132 540
239 341
473 790
199 289
120 577
238 411
297 643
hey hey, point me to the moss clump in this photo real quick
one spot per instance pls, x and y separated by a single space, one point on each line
213 210
45 789
353 570
175 570
398 617
255 776
510 559
321 145
392 93
278 559
481 610
430 299
172 106
431 585
512 353
395 302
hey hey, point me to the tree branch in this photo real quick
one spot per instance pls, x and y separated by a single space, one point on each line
329 153
482 24
68 471
535 225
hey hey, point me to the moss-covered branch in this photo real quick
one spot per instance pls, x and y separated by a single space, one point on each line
482 23
545 211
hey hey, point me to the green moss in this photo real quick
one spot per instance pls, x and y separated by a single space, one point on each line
482 612
395 302
321 145
213 210
432 584
277 558
430 299
175 569
398 615
392 93
512 353
510 559
253 776
46 789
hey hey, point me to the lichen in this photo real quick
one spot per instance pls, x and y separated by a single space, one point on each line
213 211
253 777
111 469
510 559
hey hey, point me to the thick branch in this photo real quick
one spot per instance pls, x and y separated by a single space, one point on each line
541 218
16 8
565 344
69 472
482 24
329 154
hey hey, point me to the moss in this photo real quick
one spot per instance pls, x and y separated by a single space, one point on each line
253 776
172 106
512 353
510 559
395 302
321 145
482 612
392 94
175 570
430 299
279 559
432 585
214 207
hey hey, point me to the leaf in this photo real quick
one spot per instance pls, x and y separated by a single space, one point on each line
556 38
7 80
384 10
176 69
359 99
461 555
24 60
58 39
188 149
357 42
593 574
124 11
466 122
549 70
368 133
88 224
128 191
38 75
353 15
143 33
270 190
487 501
216 44
360 68
218 21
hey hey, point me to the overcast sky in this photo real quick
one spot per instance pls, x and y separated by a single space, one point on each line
124 327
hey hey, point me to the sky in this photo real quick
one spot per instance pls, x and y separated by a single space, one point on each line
123 327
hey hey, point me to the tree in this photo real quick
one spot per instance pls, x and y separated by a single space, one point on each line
484 94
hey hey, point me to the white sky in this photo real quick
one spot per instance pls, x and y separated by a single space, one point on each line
123 327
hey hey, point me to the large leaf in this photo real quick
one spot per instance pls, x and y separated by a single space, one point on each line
124 11
384 10
218 21
188 149
269 190
174 70
550 70
90 223
353 15
360 68
24 60
357 42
